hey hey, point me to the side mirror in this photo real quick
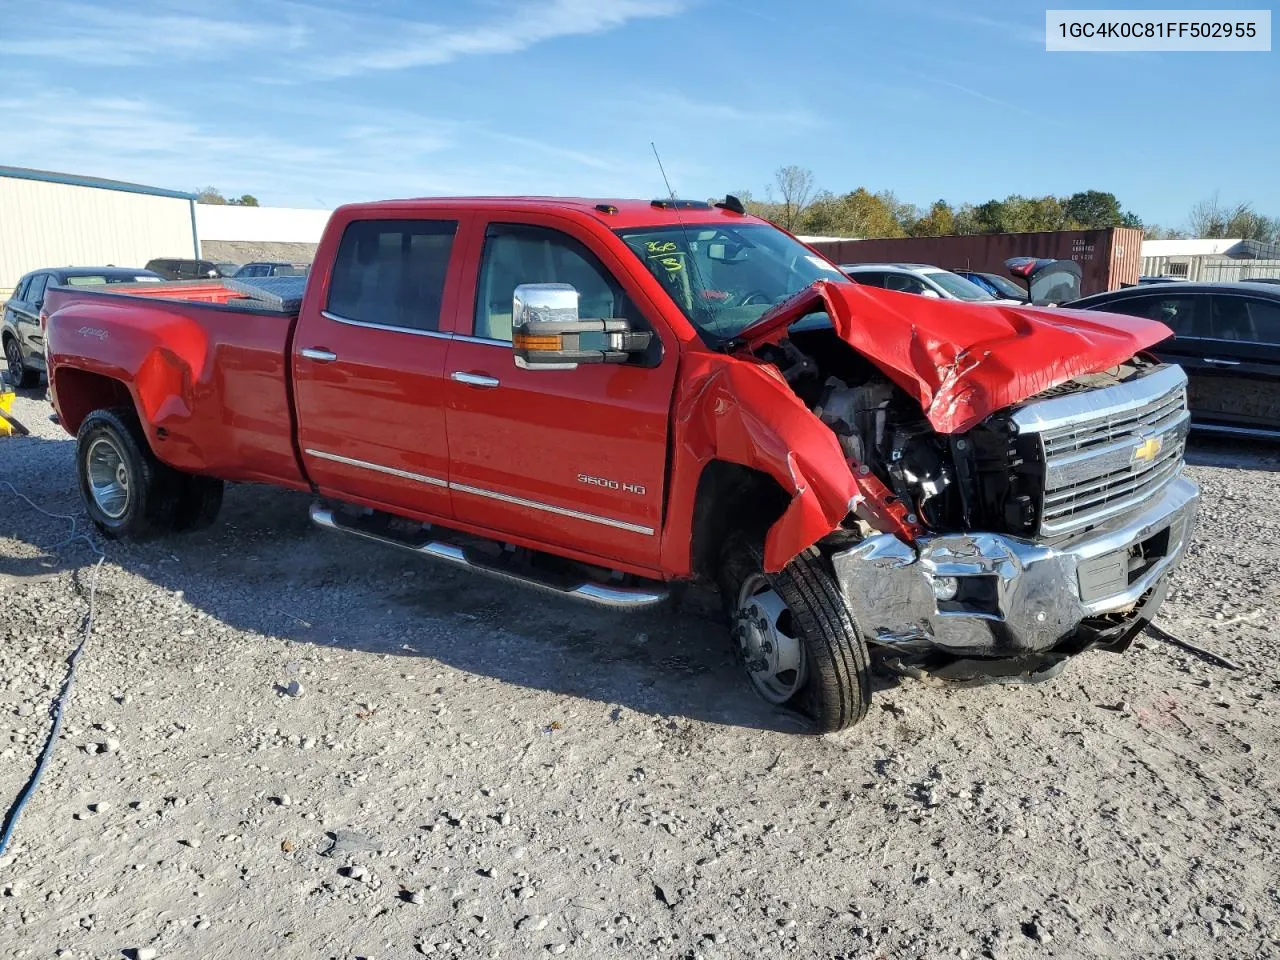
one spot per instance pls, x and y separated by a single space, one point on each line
547 334
931 293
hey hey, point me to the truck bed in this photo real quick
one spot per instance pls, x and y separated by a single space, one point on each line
205 365
261 294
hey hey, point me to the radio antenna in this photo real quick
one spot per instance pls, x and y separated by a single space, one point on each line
670 193
684 230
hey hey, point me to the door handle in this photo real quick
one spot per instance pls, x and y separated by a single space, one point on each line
1222 363
475 379
319 354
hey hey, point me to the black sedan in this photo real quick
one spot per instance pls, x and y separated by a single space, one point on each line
1227 339
21 329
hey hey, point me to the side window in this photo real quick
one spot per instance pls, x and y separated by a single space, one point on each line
1231 320
392 272
1185 316
515 254
903 283
20 291
1266 320
35 294
869 279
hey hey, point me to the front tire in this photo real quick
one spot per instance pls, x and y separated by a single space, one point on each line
127 492
795 634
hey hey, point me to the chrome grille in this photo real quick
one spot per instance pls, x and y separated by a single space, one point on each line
1107 451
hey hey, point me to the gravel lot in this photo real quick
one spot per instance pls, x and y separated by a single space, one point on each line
509 775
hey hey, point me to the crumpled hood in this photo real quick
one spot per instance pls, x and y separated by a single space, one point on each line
962 362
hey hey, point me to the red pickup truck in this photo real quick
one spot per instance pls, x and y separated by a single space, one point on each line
606 398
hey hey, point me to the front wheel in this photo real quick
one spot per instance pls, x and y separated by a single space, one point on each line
795 634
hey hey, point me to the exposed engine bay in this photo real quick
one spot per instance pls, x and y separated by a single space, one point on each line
986 478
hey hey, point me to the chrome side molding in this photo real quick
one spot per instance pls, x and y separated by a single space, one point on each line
597 594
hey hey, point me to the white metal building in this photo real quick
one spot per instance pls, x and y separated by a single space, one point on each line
56 219
1210 260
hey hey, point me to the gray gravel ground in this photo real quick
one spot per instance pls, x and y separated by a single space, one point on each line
509 775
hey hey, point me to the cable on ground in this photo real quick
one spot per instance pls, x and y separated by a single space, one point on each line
58 707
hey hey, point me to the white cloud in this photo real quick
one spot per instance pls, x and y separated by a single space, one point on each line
383 153
1040 115
401 44
294 40
1013 29
103 36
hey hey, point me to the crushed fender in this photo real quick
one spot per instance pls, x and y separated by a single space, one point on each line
741 412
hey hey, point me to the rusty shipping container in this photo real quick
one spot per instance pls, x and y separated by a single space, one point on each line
1108 258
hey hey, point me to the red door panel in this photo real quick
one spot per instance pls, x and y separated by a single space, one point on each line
575 458
369 359
572 457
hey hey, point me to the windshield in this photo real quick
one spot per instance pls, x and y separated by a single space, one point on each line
725 277
957 286
1006 286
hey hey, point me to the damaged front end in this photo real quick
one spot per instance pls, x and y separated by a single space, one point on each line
1016 503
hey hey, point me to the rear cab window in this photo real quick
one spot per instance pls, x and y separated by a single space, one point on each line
391 273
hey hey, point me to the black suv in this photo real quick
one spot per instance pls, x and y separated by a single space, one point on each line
175 269
1227 339
22 330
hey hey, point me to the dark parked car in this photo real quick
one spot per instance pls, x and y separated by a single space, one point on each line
178 269
1000 287
1227 339
21 329
272 268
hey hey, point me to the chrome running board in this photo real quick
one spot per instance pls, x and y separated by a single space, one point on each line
598 594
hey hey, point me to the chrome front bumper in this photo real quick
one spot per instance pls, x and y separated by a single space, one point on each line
1015 596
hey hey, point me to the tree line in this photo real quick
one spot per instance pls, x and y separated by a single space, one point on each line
214 195
794 202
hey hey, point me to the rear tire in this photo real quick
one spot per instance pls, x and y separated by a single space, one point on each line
127 492
796 634
20 375
199 500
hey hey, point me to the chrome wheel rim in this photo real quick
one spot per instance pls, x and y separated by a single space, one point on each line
13 354
768 642
109 480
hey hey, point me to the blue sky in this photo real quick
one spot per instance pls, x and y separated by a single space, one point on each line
319 102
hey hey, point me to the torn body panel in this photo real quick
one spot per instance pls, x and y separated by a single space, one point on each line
209 385
962 362
743 412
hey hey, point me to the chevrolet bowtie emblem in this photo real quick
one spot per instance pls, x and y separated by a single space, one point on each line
1146 451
